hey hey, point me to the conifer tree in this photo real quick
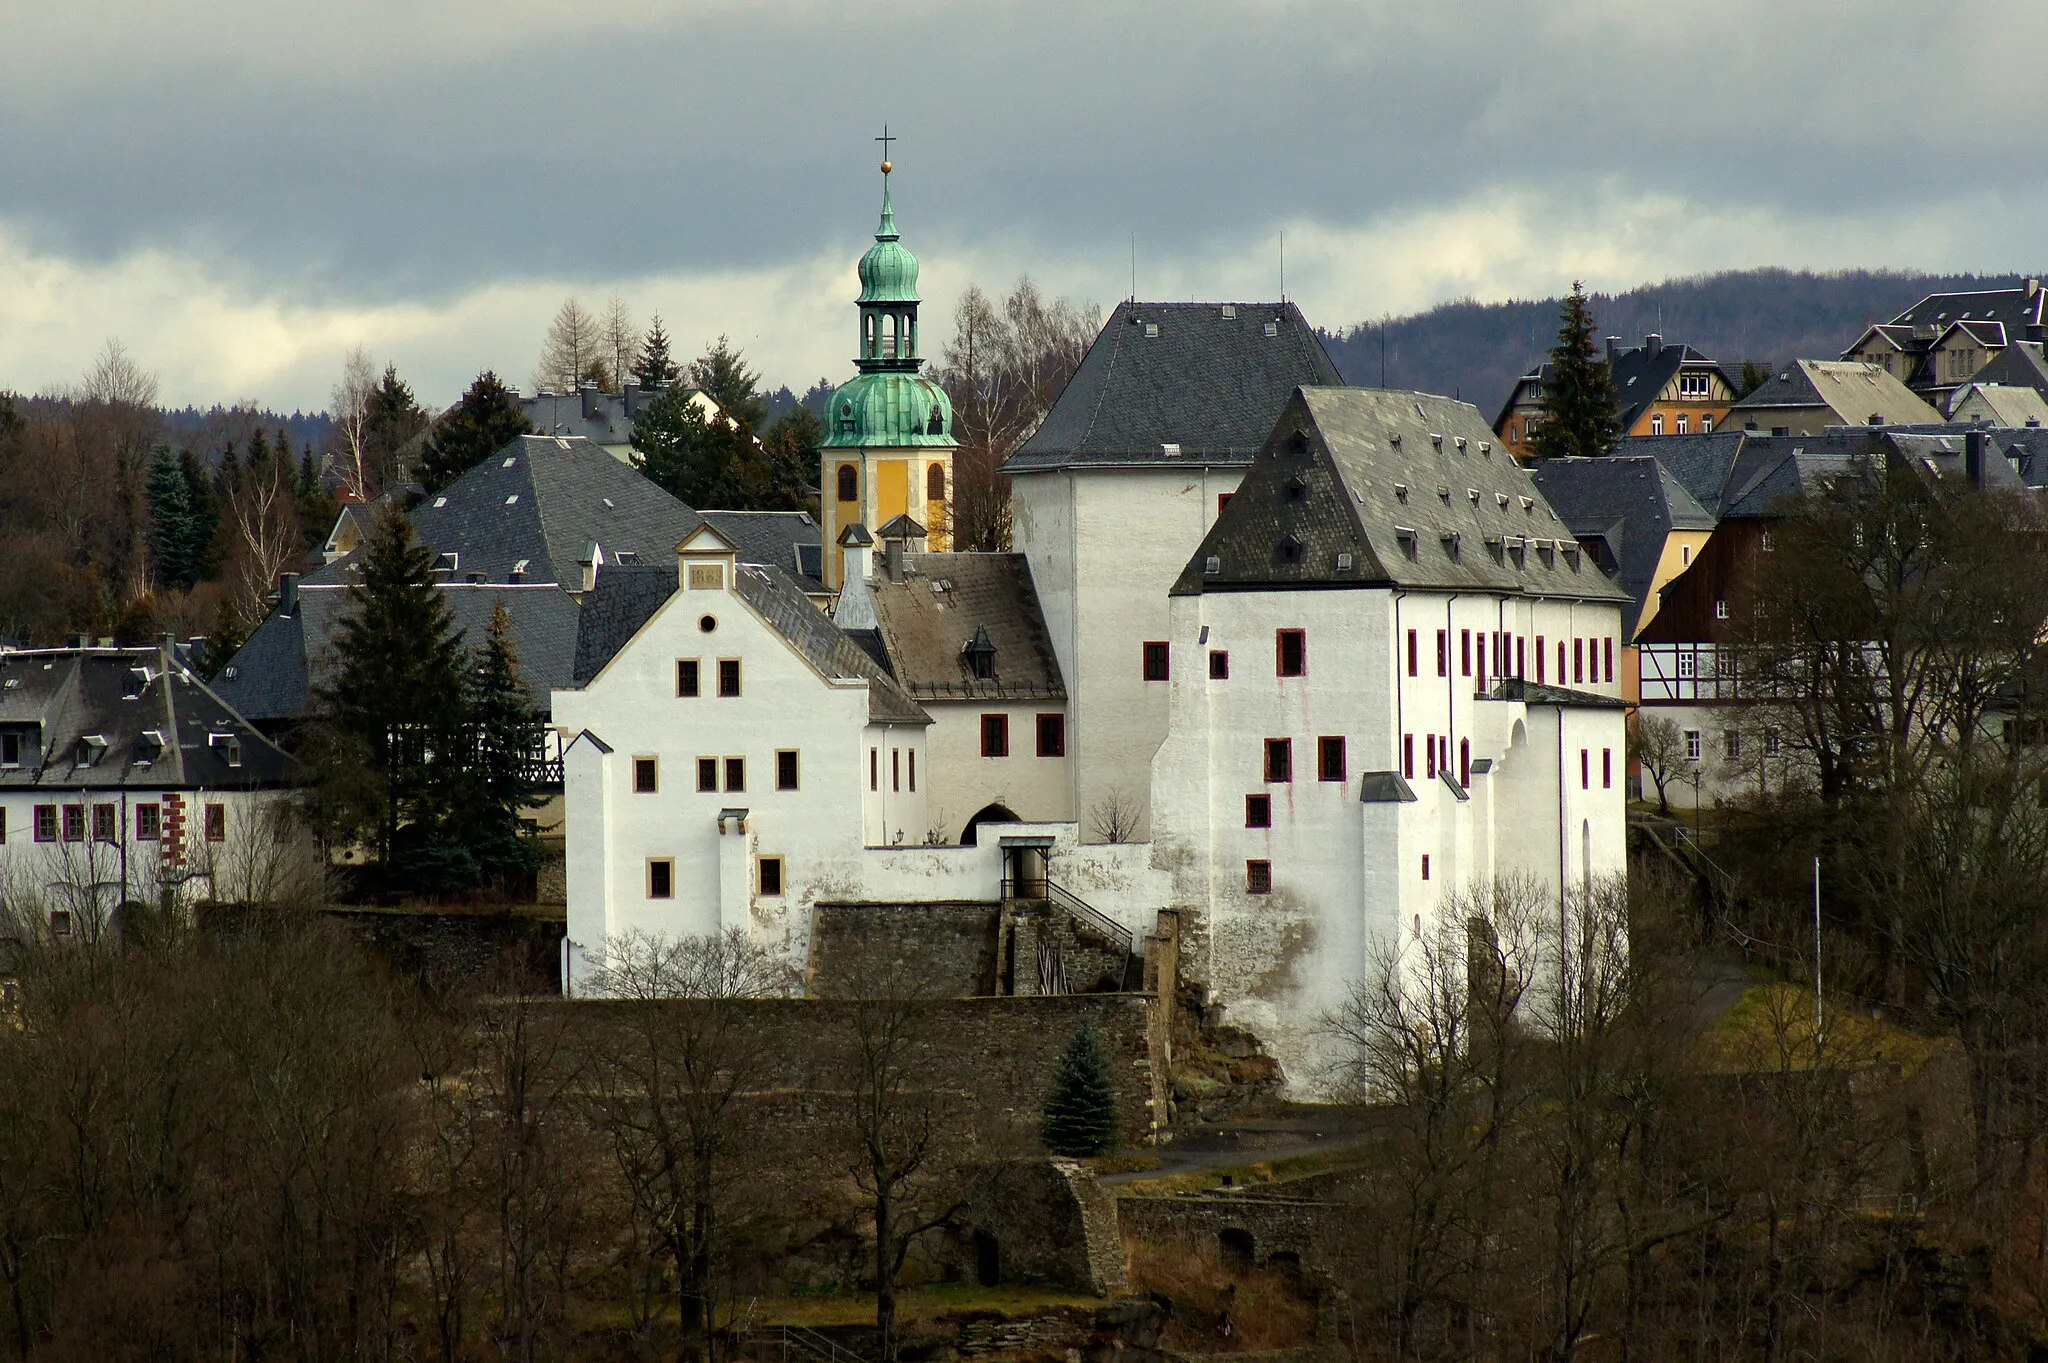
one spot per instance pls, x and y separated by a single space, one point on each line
204 503
508 733
725 374
398 696
791 449
176 530
702 463
479 426
1080 1111
655 367
1579 412
392 418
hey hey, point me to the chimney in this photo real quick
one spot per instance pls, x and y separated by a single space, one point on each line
1653 343
288 594
1973 458
855 608
892 558
2033 287
592 556
1613 344
590 395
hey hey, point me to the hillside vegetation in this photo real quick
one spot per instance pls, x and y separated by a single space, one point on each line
1477 350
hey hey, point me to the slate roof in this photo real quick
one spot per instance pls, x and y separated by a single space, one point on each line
1744 474
1369 487
271 677
626 598
789 540
2016 366
1853 390
1537 693
518 526
1640 374
2019 308
1632 504
602 418
569 493
2005 405
1204 382
928 618
157 733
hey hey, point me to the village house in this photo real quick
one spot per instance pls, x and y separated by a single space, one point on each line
1946 339
125 779
1663 388
1806 397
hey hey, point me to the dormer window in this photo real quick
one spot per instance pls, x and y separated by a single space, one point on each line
1212 565
519 568
1289 549
149 745
89 750
1401 491
936 423
448 562
10 750
228 746
980 655
1297 443
1295 490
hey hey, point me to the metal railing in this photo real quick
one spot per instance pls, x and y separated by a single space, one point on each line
1052 892
797 1342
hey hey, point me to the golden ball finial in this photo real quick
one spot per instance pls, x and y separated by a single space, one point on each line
887 166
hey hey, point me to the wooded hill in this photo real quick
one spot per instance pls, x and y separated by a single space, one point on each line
1477 350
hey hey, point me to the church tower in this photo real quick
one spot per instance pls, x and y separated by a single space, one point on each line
889 446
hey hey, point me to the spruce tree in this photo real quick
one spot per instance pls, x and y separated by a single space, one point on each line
655 367
508 733
479 426
1579 412
725 374
175 534
390 421
791 449
1080 1111
398 695
708 464
204 502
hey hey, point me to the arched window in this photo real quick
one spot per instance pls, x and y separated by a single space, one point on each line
936 423
870 346
849 484
935 482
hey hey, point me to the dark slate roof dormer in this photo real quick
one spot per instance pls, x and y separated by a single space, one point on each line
1369 487
1169 384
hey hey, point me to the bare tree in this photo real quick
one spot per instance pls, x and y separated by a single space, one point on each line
350 408
621 339
264 518
116 380
1659 751
666 1085
1114 817
1004 368
574 351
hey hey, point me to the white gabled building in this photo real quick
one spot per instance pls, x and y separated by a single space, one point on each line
1398 680
1116 488
729 751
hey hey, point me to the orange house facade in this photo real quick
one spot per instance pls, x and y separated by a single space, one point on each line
1663 388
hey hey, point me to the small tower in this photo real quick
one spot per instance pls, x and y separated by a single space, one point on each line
888 448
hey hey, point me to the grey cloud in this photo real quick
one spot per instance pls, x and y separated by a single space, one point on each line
735 137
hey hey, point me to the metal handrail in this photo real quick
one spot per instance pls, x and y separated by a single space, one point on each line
1050 891
807 1340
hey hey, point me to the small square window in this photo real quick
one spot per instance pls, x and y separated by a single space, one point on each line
216 823
771 877
687 682
646 775
1720 610
1258 811
995 735
46 823
149 823
707 773
1290 647
661 878
728 676
74 823
1692 745
1219 665
786 769
1279 759
735 773
1052 735
1330 763
1258 877
1155 661
60 922
106 823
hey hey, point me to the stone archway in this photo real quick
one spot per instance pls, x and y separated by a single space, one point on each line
994 813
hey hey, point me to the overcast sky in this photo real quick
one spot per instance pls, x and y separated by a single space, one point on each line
243 189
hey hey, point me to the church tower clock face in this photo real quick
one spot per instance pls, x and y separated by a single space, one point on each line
889 446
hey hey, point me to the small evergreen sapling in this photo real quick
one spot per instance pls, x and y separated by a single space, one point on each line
1080 1111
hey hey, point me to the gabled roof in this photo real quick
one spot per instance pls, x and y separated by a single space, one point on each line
1982 333
2017 366
1640 374
1633 503
1902 339
2002 404
149 720
544 500
1369 487
789 540
1179 383
2020 307
1853 390
626 598
602 418
927 619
